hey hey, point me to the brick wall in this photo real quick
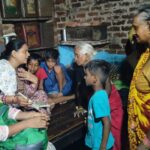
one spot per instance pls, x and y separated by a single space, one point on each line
117 14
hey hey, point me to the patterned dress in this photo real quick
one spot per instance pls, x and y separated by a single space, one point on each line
27 138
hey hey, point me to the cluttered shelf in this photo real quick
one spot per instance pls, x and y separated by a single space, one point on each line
94 43
14 20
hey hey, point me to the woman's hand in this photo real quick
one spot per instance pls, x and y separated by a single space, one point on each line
23 101
38 120
28 76
17 100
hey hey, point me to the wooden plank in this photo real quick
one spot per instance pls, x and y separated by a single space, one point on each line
70 124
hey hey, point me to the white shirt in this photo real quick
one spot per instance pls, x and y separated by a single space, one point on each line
8 85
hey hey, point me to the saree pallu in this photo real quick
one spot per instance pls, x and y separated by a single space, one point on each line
138 107
29 138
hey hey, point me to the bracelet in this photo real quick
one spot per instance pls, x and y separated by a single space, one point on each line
146 142
4 99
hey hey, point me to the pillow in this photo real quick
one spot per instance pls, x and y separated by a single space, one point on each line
66 55
111 58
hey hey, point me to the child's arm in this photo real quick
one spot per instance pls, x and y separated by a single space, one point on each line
40 87
106 131
60 77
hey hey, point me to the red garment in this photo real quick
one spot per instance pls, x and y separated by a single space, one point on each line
116 117
41 74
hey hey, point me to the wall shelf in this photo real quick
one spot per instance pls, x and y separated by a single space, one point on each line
94 43
38 49
14 20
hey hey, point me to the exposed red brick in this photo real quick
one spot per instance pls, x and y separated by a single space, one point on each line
93 13
126 28
96 7
76 5
84 9
82 15
117 14
121 34
120 11
101 1
73 1
57 19
125 4
59 1
63 19
114 28
124 41
119 22
61 13
132 9
61 25
127 16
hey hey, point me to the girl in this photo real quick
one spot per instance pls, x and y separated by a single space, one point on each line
30 82
98 136
14 134
28 86
58 82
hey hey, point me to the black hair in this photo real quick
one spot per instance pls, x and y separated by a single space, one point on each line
99 68
34 56
14 44
52 54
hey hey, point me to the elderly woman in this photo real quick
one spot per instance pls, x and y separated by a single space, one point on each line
85 52
139 96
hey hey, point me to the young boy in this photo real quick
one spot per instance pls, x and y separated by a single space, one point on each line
58 83
33 66
98 136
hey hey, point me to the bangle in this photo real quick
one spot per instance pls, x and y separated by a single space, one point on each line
146 142
4 99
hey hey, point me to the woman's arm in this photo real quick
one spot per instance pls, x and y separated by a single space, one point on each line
106 131
27 115
14 100
31 120
60 77
39 121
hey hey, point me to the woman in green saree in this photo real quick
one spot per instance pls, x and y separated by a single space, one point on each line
18 130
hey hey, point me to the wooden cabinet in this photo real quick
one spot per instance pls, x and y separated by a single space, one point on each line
30 19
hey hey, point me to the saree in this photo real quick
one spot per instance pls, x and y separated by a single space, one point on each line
138 106
29 138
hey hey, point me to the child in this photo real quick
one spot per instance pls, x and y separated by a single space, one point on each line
33 66
27 85
98 136
58 82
